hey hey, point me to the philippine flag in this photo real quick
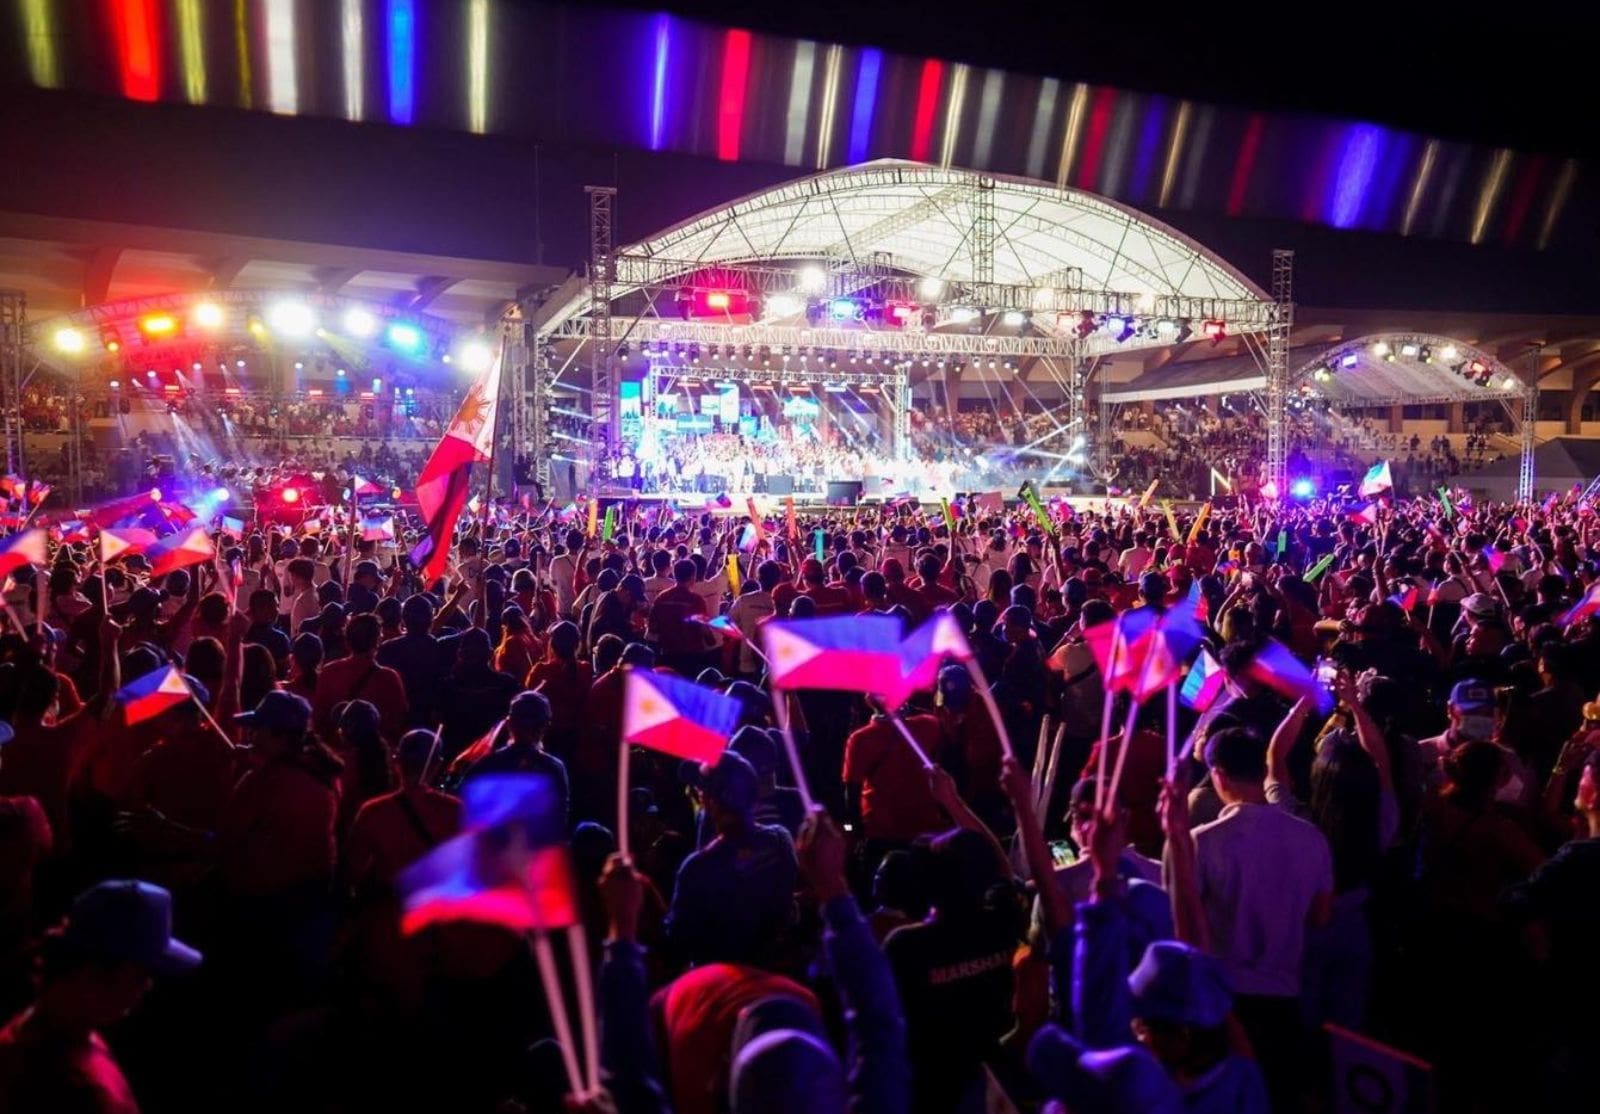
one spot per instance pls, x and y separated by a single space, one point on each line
179 551
153 694
1278 669
508 867
1377 480
848 653
1149 649
677 717
364 487
442 487
124 541
1204 683
721 624
925 649
377 529
31 547
1585 607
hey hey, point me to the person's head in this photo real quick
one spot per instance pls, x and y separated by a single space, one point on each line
389 611
412 756
474 650
204 661
1474 772
728 789
301 572
1180 1001
528 717
757 747
899 884
607 653
769 574
1000 585
812 573
116 939
1474 713
1153 588
639 655
1237 759
308 652
277 726
1016 623
955 687
962 870
416 614
1588 796
361 634
564 638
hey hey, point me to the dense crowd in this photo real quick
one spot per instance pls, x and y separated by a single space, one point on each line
1419 865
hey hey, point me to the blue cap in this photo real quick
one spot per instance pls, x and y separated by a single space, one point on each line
1177 983
1124 1080
128 921
1473 696
6 733
279 711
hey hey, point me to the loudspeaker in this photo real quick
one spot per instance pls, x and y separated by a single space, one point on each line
844 493
780 485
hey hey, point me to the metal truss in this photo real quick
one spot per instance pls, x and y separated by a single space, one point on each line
1282 323
983 232
13 353
784 376
602 263
643 330
1530 429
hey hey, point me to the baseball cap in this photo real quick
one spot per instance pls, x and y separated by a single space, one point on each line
278 711
1177 983
529 709
1480 605
1472 696
1126 1080
731 782
129 921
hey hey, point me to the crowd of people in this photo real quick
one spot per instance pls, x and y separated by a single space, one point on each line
201 909
733 462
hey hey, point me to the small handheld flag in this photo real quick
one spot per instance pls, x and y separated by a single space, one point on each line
1279 670
722 624
234 526
153 694
854 653
1204 683
31 547
178 551
925 649
124 541
677 717
1377 480
377 529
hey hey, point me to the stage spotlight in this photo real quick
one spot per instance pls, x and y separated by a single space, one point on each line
377 385
1166 326
221 495
1086 325
718 299
784 305
1425 354
405 337
1349 359
1269 490
155 495
1013 318
158 325
813 279
115 385
1121 328
359 322
149 373
69 340
844 309
291 495
1215 331
293 319
340 373
1381 348
110 340
209 315
239 364
1303 488
1448 352
476 357
1410 351
1509 383
930 287
963 315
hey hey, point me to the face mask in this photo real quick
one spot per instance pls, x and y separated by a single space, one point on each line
1476 729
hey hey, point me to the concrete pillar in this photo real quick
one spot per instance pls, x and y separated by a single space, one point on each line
1458 418
1397 417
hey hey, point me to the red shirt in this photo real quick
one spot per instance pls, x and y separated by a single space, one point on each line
360 678
829 598
384 838
895 802
669 620
566 686
1140 787
278 831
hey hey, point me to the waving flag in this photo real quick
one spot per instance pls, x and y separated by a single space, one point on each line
442 487
377 529
1278 669
1407 600
179 551
1367 514
928 647
1204 683
719 623
234 526
359 487
1148 649
153 694
76 531
850 653
1585 607
1198 601
508 867
31 547
1494 558
124 541
677 717
1377 480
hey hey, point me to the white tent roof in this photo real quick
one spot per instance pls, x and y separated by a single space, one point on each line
922 218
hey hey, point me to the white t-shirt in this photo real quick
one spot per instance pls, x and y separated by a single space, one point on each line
747 612
1260 871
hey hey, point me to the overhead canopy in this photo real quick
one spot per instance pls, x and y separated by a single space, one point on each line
920 220
1370 371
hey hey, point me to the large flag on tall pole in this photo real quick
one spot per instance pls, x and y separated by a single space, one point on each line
442 488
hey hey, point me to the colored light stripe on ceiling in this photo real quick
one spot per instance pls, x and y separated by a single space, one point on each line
1419 185
1144 166
353 53
402 61
954 104
830 103
988 113
1077 110
191 50
1043 114
1494 183
283 93
1169 169
1358 160
1558 201
138 48
241 51
794 131
1245 165
730 102
861 108
927 106
1522 197
478 66
658 82
40 36
1094 140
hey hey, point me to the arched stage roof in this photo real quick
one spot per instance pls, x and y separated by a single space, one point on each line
920 219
